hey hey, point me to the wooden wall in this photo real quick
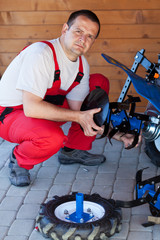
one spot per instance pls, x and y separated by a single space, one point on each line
126 27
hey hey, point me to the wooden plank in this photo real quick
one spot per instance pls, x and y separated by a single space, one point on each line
14 46
41 31
129 31
53 31
125 45
114 73
10 5
59 17
95 58
129 17
33 18
5 58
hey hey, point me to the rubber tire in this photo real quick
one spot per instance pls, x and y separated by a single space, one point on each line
152 152
52 227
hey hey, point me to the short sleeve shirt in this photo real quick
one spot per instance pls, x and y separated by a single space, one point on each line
33 70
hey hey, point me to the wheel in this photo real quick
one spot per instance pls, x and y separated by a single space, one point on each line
153 151
52 222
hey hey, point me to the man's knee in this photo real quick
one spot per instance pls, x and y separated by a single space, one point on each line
100 80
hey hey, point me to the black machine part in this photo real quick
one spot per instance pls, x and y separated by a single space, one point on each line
98 98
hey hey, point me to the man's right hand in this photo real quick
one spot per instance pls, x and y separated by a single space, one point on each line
87 123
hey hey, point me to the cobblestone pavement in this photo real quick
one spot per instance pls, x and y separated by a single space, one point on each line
113 179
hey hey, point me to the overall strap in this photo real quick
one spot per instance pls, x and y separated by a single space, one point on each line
79 76
57 71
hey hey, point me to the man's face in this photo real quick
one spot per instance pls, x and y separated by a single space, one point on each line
78 39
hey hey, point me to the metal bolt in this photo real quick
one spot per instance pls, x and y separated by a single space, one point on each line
81 220
88 210
66 212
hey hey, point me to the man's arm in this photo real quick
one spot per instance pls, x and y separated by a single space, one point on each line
36 107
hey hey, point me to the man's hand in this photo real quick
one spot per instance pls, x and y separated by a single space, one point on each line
87 123
128 139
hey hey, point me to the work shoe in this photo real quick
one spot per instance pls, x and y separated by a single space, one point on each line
80 156
18 176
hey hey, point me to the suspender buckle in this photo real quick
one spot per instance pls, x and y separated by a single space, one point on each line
79 77
56 75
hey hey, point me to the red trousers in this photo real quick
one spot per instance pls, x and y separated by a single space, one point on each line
38 139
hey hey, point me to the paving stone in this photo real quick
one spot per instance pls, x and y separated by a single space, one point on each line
104 179
134 152
144 158
86 173
103 191
47 172
28 211
3 232
140 210
64 178
126 173
126 214
35 197
115 145
1 165
21 227
82 186
156 232
139 235
2 194
129 161
42 184
121 195
150 168
7 217
108 167
112 158
11 203
4 172
53 161
73 168
98 146
137 221
59 190
123 185
16 191
17 238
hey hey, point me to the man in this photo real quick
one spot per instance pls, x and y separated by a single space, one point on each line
43 87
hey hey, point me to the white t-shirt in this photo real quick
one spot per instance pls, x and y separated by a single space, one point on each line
33 71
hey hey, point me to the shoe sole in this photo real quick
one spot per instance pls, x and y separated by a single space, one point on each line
64 161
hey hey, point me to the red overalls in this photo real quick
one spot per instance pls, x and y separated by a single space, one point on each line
39 139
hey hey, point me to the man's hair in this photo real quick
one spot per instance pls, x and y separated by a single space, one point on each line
87 13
